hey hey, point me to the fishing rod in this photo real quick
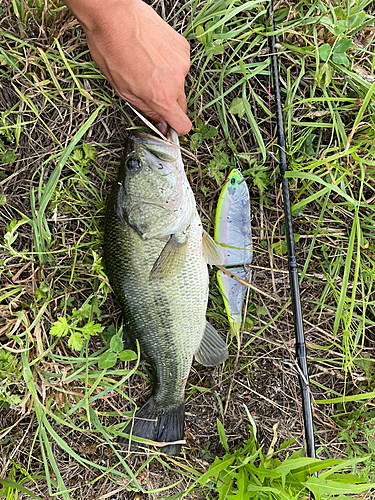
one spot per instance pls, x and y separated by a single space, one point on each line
292 261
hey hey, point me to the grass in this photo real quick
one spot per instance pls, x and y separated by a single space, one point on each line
61 136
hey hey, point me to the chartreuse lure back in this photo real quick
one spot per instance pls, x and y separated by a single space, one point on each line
233 234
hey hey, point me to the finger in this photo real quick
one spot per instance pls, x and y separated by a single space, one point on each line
160 123
178 120
163 127
181 101
145 109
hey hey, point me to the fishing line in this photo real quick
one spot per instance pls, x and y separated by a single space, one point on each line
300 345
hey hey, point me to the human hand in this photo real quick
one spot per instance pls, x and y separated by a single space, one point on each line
143 58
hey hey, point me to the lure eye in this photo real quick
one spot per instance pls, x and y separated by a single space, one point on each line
133 164
233 180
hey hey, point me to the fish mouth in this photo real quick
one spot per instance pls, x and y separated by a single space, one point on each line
160 149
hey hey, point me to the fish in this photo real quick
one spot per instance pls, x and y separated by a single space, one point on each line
156 255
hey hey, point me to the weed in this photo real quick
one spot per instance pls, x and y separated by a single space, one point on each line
249 473
10 385
116 350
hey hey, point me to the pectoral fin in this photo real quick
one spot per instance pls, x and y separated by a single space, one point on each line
213 350
171 260
211 251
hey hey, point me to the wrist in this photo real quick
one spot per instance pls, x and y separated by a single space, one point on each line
94 15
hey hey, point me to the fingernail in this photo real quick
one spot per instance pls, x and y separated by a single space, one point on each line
162 127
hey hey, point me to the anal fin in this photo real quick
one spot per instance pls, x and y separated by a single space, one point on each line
212 350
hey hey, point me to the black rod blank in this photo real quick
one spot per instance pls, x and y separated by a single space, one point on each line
293 271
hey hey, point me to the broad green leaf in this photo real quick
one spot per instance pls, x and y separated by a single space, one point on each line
214 48
208 131
127 355
340 12
322 488
109 333
324 51
354 21
285 444
116 344
224 485
295 463
331 472
340 27
195 140
199 31
340 58
263 472
107 360
262 311
91 328
280 247
342 45
326 21
260 489
237 107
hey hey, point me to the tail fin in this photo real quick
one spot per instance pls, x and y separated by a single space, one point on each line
157 424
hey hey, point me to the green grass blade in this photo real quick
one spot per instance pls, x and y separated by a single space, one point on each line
8 483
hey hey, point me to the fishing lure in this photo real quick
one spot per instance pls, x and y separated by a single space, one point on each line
233 235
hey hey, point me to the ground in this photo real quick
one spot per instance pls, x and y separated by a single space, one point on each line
59 411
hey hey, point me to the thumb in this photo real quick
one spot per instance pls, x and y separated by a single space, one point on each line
146 110
178 120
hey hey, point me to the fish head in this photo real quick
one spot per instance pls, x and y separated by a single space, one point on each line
156 196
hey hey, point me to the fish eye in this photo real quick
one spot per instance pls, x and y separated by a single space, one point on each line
133 164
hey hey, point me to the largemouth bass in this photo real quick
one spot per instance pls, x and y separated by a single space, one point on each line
156 255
